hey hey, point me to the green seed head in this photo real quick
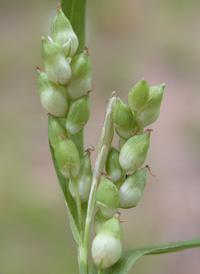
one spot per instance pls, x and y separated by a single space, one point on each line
84 179
53 97
107 198
123 120
78 115
56 64
138 95
113 168
81 81
106 246
54 129
63 34
67 157
134 151
131 190
98 222
121 143
149 114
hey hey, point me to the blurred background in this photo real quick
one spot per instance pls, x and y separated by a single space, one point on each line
127 40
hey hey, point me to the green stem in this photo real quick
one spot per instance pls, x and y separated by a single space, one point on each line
78 205
82 259
100 271
103 148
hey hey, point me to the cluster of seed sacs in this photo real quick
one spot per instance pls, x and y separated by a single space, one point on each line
63 89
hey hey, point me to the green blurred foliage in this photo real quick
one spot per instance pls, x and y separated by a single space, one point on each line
127 40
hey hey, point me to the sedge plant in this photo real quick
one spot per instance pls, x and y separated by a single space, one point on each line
119 175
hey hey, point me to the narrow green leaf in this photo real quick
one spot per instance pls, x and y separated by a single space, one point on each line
129 257
63 185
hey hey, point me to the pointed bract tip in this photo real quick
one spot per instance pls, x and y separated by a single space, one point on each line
58 6
86 50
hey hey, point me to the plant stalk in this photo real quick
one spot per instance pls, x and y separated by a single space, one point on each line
103 148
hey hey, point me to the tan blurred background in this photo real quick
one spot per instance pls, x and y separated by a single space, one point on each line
128 40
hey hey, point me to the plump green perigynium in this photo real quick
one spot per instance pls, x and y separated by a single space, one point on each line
56 64
123 120
84 179
131 190
53 97
134 151
98 221
113 168
63 34
107 198
67 157
150 112
78 115
54 129
138 95
81 81
106 246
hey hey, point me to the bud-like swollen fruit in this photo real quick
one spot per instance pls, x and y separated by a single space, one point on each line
149 114
54 129
134 151
53 97
78 115
121 143
67 157
123 120
113 168
63 34
131 190
84 179
98 222
56 65
106 246
138 95
107 198
81 81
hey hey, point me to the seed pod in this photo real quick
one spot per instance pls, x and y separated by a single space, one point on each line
106 246
84 179
121 143
78 115
81 81
113 168
123 120
67 157
56 64
54 129
131 190
98 222
53 97
149 114
134 151
138 95
63 34
107 198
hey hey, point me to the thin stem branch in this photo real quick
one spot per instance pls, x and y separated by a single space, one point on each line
103 148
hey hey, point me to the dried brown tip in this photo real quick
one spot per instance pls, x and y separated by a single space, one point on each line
147 166
145 131
91 89
86 50
88 150
62 136
103 173
58 6
36 67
